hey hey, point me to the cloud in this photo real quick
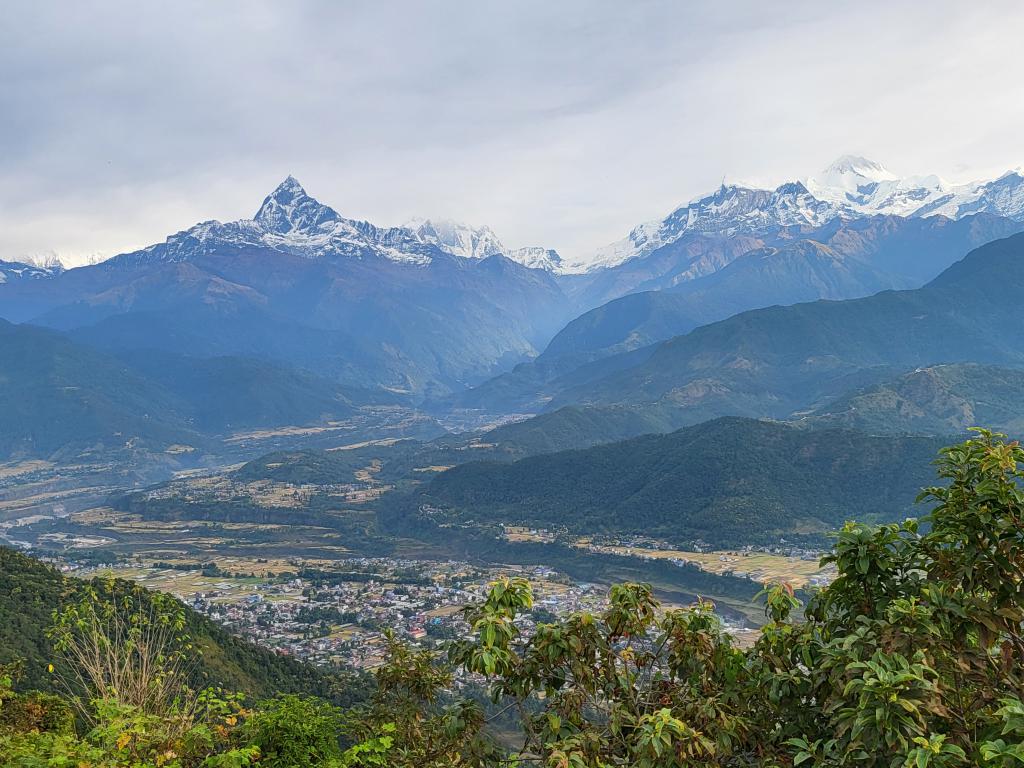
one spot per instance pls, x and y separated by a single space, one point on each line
562 124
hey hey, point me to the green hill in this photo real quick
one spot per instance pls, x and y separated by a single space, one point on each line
30 591
728 481
937 400
59 395
230 393
62 397
776 361
933 400
574 427
710 279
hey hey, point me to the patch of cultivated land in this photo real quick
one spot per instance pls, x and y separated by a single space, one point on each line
185 585
18 468
293 431
363 487
764 567
128 535
521 534
387 441
758 566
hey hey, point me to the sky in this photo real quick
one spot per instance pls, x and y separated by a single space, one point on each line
562 124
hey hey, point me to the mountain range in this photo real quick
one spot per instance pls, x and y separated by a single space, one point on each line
840 260
62 398
936 399
851 187
780 361
303 306
17 271
298 284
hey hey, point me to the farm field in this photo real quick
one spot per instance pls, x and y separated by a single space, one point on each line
765 567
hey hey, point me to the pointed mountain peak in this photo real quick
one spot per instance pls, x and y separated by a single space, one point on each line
290 185
289 209
857 166
795 188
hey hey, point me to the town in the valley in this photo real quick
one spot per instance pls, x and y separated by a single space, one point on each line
337 613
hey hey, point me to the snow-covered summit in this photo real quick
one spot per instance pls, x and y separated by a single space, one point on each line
851 187
852 172
731 210
458 238
289 209
537 257
30 269
1003 196
865 187
49 262
480 242
292 221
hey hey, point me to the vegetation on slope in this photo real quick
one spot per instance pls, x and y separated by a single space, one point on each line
31 591
147 399
89 399
225 394
937 400
701 279
574 427
773 362
728 481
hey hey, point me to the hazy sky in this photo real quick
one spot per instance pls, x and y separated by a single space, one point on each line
561 124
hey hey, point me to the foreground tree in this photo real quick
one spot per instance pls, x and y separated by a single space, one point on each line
911 657
124 661
120 644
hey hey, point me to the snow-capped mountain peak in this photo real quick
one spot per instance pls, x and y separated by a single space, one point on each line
293 222
288 208
865 187
49 262
457 238
30 269
851 169
538 257
480 242
730 210
851 187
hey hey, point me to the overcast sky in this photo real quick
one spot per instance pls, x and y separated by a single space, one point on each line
561 124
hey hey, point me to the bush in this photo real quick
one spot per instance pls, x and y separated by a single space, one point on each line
295 732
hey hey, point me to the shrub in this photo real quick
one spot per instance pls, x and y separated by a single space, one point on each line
295 732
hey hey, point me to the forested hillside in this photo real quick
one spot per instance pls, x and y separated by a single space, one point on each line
701 279
773 362
727 481
90 399
938 399
31 592
94 401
